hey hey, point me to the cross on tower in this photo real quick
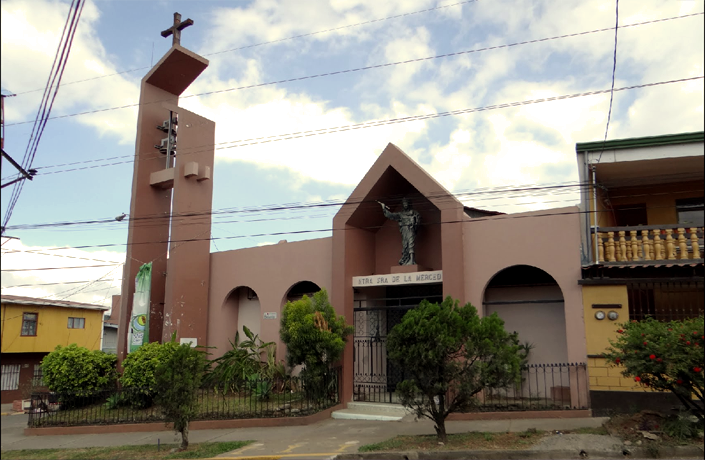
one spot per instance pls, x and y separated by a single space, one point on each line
176 29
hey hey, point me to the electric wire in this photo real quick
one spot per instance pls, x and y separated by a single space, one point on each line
271 42
478 195
377 123
55 268
471 221
52 89
614 71
377 66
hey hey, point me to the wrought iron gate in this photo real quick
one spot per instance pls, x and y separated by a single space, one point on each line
374 376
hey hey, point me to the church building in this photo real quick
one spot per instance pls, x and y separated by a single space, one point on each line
524 266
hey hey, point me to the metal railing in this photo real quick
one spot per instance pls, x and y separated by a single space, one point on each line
542 387
666 301
254 398
562 386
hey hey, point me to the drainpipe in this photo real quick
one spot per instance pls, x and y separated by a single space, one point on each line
594 210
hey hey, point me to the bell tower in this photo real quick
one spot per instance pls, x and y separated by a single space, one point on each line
170 210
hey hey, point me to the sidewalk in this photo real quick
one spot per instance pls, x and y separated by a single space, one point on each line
325 439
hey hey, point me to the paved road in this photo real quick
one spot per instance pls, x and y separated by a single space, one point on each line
321 440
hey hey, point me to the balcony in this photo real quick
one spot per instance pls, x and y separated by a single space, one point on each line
649 245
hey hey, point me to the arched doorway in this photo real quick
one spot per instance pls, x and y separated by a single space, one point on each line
242 307
531 304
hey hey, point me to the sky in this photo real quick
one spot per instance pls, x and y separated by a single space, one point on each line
84 161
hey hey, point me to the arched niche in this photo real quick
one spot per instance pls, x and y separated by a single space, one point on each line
242 307
298 290
531 303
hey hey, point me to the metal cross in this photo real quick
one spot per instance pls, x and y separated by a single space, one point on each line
176 29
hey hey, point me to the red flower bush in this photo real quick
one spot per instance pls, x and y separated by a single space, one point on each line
659 354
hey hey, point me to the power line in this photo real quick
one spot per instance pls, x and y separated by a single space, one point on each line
55 268
53 284
271 42
389 64
482 194
309 205
614 70
548 213
50 92
376 123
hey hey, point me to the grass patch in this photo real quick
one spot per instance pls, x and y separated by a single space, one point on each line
146 452
474 440
601 430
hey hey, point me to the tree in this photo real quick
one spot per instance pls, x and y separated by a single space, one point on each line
178 378
76 373
663 356
315 337
451 354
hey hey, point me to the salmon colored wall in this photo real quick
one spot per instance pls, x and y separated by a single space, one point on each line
270 271
52 328
549 240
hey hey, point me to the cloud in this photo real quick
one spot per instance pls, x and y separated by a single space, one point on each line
101 282
31 32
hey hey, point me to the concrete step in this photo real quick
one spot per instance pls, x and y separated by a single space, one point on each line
371 411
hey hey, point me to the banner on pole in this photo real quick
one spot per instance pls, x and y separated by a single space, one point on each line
138 333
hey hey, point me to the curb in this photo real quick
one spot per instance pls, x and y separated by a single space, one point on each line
12 413
641 452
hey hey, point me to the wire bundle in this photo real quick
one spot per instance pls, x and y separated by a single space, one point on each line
52 89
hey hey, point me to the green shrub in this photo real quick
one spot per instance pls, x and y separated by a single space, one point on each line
682 427
77 373
116 400
236 367
137 378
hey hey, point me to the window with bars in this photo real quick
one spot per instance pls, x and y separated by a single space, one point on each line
29 324
77 323
38 376
666 301
10 377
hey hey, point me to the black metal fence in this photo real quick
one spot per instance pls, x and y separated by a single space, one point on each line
254 398
561 386
542 387
666 301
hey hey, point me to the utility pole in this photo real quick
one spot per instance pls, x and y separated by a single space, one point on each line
25 174
2 123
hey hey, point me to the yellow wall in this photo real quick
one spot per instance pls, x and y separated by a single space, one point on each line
660 200
52 328
598 332
604 376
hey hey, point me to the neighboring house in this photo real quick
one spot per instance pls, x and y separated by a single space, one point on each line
31 328
648 204
110 327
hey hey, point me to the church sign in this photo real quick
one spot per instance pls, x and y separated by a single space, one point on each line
398 279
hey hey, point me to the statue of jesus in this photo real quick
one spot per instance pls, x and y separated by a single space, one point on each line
409 221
